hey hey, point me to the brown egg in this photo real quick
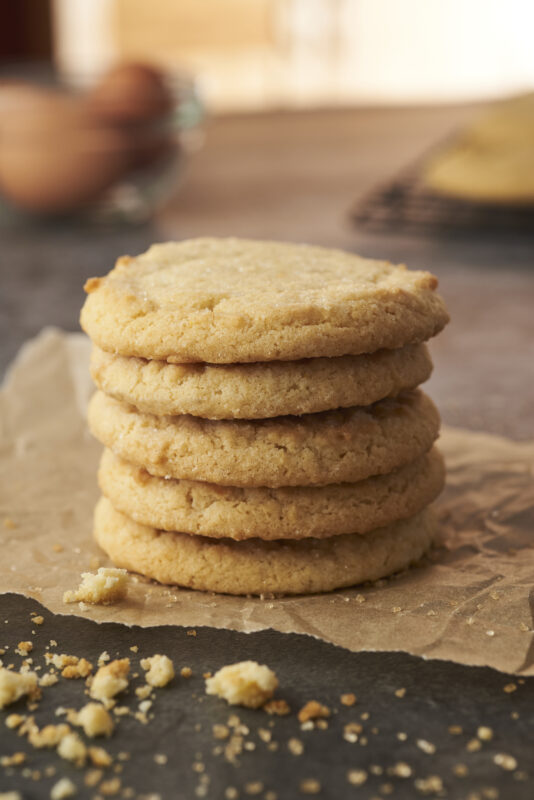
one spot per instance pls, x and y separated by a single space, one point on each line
54 155
131 93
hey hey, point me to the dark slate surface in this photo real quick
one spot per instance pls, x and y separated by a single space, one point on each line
438 695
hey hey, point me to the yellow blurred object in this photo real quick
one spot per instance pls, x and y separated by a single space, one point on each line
492 160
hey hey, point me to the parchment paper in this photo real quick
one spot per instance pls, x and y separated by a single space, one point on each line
471 603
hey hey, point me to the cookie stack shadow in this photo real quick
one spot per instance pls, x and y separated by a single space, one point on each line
303 461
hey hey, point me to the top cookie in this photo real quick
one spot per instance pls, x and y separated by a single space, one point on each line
225 301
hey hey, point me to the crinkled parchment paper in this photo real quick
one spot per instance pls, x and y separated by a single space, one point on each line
472 602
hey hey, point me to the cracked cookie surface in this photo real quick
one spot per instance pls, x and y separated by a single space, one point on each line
286 513
259 567
232 300
260 390
342 446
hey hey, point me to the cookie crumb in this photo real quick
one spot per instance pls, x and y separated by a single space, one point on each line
348 699
310 786
92 777
159 670
295 746
14 720
505 761
94 719
111 787
14 685
313 710
62 789
356 777
426 747
186 672
401 770
473 745
143 692
431 785
81 669
246 683
107 585
279 708
72 749
351 731
14 760
485 733
509 688
49 736
110 679
400 693
460 770
99 757
220 731
254 787
48 679
24 648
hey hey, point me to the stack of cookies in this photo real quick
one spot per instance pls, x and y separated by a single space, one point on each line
258 405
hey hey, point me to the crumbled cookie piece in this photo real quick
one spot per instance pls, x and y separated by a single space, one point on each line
10 796
246 683
94 719
310 786
110 679
279 708
14 685
62 789
505 761
159 670
401 770
107 585
186 672
73 749
49 736
295 746
92 777
14 720
356 777
14 760
485 733
110 787
431 785
99 757
348 699
48 679
426 747
38 620
81 669
313 710
24 648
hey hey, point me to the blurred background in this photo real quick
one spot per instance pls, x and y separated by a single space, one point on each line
401 129
136 79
